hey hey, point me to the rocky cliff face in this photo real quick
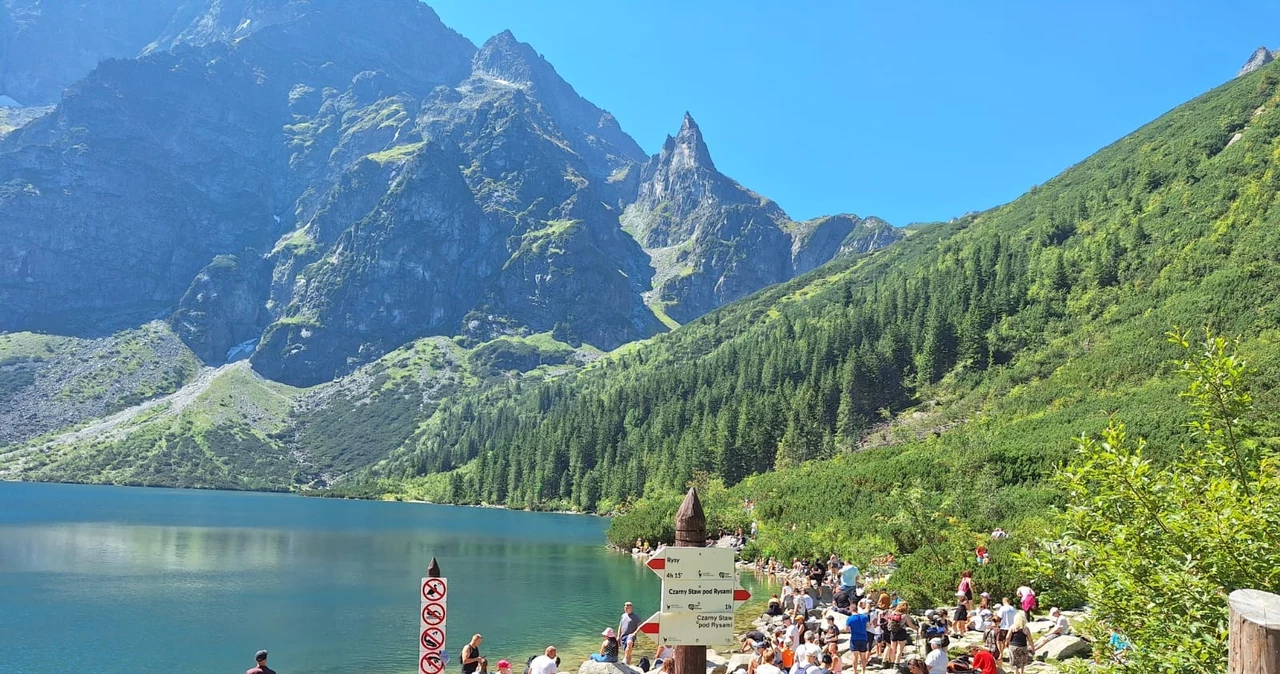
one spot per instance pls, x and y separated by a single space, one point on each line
326 182
488 213
713 241
1259 58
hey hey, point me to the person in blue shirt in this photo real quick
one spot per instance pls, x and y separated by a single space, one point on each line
848 577
859 645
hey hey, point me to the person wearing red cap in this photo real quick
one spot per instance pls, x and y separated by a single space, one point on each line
261 667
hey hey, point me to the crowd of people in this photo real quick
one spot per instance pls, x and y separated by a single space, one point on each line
879 625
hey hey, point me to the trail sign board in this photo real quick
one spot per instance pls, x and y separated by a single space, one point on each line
699 593
434 595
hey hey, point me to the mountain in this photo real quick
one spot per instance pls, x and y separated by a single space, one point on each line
1260 57
316 186
961 361
713 241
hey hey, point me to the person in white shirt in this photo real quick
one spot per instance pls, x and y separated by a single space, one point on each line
764 664
936 660
545 663
805 601
792 633
810 647
1060 628
1005 614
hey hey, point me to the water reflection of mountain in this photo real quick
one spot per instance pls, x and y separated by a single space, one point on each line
115 549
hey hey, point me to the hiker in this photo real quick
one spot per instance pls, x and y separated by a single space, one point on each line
750 641
859 642
914 664
831 637
1006 614
1020 653
1061 627
628 625
960 618
809 647
545 663
608 647
936 660
848 576
666 652
983 661
965 588
261 668
982 555
471 655
898 621
774 608
761 665
483 666
504 667
1028 597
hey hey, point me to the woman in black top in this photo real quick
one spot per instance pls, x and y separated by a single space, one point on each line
608 647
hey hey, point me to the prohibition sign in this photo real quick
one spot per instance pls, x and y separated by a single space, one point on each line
433 614
433 639
433 589
430 664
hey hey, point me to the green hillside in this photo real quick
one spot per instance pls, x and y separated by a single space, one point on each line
963 359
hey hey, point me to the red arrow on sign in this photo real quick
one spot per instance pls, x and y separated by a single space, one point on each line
740 594
657 563
650 626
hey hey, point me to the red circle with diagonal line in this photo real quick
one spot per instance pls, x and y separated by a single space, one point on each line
434 589
433 614
433 639
431 664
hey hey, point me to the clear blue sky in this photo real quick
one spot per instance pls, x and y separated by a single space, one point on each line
913 111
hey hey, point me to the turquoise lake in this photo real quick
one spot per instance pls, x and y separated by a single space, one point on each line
116 579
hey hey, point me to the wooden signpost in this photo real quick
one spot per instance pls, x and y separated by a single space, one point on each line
699 591
1254 644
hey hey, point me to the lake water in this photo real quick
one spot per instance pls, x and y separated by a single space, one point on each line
115 579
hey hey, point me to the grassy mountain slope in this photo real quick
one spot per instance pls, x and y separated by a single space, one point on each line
230 428
993 339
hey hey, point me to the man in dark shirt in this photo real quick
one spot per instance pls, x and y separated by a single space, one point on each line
471 655
261 668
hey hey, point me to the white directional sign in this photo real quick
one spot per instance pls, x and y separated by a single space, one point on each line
699 592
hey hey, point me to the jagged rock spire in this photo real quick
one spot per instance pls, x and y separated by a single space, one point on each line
1260 57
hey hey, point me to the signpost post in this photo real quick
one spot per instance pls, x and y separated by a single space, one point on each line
431 628
699 592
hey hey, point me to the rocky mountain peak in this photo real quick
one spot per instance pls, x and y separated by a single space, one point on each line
504 60
688 150
1260 57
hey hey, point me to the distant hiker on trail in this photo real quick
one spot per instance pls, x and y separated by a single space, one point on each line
471 655
1028 601
261 668
608 647
627 629
545 663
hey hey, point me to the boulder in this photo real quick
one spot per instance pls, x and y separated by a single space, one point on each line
593 667
717 669
739 661
1040 626
1065 647
714 658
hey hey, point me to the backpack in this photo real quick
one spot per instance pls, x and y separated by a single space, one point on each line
644 664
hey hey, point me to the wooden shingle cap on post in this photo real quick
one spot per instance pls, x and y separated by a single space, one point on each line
1254 644
433 570
691 532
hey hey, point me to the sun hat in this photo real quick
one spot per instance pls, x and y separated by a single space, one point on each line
503 664
607 633
935 642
